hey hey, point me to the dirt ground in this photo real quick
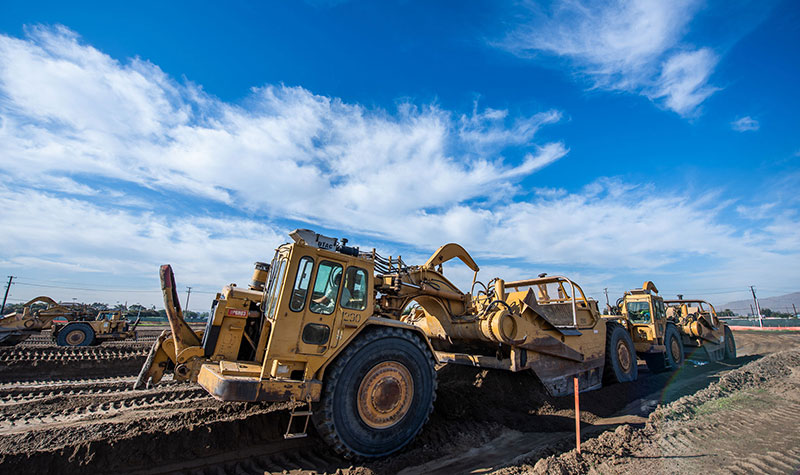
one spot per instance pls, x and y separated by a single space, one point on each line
72 410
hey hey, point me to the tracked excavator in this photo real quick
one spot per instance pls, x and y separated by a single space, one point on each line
352 339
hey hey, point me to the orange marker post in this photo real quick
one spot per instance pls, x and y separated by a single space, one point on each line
577 416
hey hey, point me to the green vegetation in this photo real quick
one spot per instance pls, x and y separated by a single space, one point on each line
751 399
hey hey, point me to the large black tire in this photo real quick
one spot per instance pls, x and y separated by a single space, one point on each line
621 366
75 334
730 344
674 344
378 394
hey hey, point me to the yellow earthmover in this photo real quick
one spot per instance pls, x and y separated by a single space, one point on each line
656 337
665 332
82 328
353 339
704 334
17 327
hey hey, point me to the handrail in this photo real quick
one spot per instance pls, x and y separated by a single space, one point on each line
552 280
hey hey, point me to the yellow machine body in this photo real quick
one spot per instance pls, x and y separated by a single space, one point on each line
700 327
271 341
643 313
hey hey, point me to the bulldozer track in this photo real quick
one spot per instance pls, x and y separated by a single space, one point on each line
69 354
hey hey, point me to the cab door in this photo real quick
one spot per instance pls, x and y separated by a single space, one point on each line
321 308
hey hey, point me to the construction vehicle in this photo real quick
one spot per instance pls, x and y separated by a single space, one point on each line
704 334
352 339
657 338
82 327
17 327
107 326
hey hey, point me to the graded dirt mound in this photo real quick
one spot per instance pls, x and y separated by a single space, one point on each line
759 402
482 419
35 363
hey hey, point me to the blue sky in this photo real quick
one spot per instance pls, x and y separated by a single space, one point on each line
610 141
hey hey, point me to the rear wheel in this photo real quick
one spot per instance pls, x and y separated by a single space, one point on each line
674 344
76 334
730 344
378 394
621 365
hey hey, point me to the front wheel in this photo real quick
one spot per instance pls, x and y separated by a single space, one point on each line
378 394
674 344
730 344
621 364
75 334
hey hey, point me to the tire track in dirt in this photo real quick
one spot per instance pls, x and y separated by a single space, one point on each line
744 423
99 424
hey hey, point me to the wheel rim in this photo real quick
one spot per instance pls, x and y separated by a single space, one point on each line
623 356
75 337
675 348
385 395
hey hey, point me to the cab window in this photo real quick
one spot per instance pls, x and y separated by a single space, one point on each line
274 288
638 312
301 282
354 291
326 288
660 311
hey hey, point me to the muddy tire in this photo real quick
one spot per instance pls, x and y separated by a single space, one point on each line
674 344
621 364
377 395
75 334
730 344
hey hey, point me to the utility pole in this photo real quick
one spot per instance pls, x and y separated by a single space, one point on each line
760 321
752 312
188 293
795 310
8 287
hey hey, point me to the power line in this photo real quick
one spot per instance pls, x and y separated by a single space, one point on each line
81 288
88 289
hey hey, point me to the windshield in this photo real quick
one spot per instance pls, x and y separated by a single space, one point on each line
638 312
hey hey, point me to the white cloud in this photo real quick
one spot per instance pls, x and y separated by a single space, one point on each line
631 46
416 177
744 124
66 236
683 81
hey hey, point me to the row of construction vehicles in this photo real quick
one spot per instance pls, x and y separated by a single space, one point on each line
69 324
352 339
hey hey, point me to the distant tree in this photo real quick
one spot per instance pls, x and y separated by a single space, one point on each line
769 313
726 313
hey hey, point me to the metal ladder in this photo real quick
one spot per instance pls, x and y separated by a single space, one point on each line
307 413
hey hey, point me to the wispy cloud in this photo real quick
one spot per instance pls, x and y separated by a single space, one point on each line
415 177
745 124
633 46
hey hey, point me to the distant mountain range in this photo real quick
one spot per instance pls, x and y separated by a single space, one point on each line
780 303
